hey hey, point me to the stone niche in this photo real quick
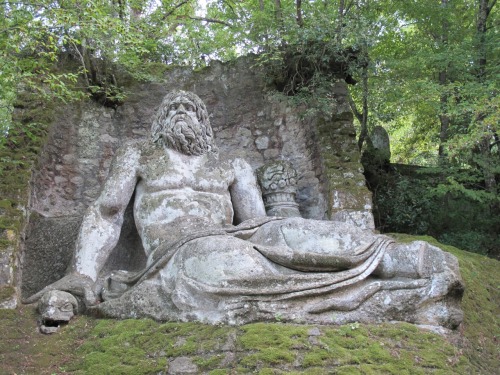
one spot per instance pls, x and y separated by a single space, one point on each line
247 121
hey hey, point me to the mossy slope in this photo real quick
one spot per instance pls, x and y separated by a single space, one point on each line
89 346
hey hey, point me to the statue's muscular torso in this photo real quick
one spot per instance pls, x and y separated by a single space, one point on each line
175 195
180 193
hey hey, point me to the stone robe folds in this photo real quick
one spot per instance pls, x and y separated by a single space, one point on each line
289 269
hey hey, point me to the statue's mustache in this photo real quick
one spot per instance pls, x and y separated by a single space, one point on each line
180 117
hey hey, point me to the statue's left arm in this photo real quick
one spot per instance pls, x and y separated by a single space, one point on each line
245 193
102 222
100 229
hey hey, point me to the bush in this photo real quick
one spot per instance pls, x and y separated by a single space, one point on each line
426 201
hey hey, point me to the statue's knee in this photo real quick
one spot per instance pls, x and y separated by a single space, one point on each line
417 259
224 258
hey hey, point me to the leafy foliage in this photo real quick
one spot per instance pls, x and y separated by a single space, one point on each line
427 70
454 208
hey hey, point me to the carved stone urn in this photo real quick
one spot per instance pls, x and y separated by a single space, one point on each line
278 181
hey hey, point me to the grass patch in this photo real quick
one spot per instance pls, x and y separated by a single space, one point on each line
6 292
271 343
144 346
481 304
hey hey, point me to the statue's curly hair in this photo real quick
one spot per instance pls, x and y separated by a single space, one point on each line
201 113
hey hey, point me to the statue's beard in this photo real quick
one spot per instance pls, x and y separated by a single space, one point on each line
184 135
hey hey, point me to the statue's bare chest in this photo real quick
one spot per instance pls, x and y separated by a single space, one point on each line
164 171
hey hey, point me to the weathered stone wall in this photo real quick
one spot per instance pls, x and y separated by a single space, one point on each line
17 155
348 198
247 123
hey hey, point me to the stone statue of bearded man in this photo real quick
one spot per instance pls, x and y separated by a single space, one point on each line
214 255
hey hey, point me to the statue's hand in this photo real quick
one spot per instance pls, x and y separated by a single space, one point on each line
78 285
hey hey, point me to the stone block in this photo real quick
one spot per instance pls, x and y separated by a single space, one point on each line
48 249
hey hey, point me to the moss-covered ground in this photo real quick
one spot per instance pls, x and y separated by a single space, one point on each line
90 346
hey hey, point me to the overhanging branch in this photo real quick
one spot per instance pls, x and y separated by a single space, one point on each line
354 109
210 20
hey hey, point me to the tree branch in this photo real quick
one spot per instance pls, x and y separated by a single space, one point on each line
25 3
211 20
82 60
348 7
491 6
497 140
165 16
354 109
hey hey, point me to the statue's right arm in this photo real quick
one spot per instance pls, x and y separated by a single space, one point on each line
102 222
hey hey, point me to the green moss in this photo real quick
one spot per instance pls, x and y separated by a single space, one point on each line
312 371
18 152
209 362
270 371
218 372
316 358
6 203
143 346
273 343
125 347
265 335
6 292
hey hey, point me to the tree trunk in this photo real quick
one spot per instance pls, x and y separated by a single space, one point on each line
443 77
277 11
363 134
488 161
265 37
298 6
443 117
340 25
484 10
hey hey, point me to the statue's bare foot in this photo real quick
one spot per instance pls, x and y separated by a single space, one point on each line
241 312
78 285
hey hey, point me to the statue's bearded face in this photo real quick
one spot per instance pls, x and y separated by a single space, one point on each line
182 127
178 125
